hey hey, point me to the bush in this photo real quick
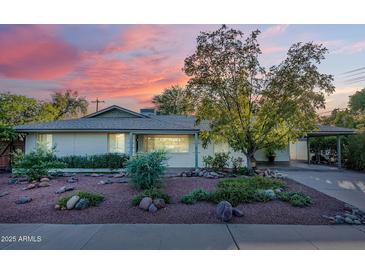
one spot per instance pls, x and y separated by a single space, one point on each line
246 190
195 196
108 160
35 164
153 193
94 198
218 162
354 152
146 169
295 198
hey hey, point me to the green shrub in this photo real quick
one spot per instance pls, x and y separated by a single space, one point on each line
354 152
217 162
195 196
245 190
108 160
146 169
295 198
94 198
35 164
153 193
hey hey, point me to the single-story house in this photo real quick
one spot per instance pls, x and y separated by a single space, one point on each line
119 130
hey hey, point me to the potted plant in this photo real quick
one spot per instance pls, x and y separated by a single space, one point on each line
270 154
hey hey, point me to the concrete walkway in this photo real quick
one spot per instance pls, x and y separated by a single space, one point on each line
180 236
345 185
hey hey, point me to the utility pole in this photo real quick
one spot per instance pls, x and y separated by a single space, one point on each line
97 101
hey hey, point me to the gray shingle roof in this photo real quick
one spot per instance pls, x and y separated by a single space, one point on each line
160 122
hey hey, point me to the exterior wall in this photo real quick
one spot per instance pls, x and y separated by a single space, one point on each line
298 150
74 143
281 155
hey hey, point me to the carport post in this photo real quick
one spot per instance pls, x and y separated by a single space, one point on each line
308 149
196 143
130 144
339 151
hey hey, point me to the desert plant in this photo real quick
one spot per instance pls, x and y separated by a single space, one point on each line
195 196
146 169
35 164
93 198
153 193
108 160
295 198
217 162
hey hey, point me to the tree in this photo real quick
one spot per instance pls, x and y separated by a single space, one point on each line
173 100
68 104
357 102
248 106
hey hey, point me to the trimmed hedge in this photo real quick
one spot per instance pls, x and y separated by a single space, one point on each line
108 160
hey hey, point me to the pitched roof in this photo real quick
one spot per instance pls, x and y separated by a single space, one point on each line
328 130
115 107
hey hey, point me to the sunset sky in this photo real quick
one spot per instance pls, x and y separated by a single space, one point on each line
128 64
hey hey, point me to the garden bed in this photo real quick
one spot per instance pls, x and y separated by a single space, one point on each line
118 208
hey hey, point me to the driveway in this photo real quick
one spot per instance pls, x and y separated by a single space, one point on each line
345 185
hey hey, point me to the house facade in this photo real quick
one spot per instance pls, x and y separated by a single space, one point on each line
119 130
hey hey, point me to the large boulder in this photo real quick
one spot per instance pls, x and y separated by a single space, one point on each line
152 208
43 184
23 200
236 212
224 211
45 179
145 203
82 204
159 203
30 186
72 202
64 189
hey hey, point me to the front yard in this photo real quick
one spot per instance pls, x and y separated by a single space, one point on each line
117 206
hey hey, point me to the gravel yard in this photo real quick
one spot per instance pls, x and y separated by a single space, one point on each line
117 207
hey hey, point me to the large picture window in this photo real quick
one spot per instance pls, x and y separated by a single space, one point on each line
44 140
170 143
116 143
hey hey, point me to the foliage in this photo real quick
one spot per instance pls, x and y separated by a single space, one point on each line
270 150
295 198
195 196
357 102
248 106
246 190
340 118
319 144
153 193
108 160
173 100
146 169
217 162
35 164
19 109
354 152
94 198
8 134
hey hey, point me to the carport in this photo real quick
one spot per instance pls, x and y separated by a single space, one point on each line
326 130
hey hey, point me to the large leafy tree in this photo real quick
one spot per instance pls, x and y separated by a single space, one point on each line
19 109
357 102
173 100
248 106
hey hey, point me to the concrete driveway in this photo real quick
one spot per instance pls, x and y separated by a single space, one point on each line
345 185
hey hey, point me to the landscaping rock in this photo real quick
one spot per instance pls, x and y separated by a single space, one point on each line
30 186
236 212
348 220
43 184
82 204
72 180
106 182
2 194
45 179
64 189
12 181
121 182
119 175
145 203
339 219
159 203
23 200
270 193
224 211
72 202
95 175
357 222
57 207
152 208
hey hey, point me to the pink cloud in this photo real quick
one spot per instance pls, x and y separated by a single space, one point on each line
274 31
352 48
32 52
272 49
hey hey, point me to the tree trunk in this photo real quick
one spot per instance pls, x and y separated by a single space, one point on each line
250 158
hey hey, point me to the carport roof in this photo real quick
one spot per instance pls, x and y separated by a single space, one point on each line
327 130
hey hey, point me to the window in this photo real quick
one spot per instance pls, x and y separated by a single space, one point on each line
44 140
116 143
170 143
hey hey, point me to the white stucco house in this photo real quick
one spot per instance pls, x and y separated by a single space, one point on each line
116 129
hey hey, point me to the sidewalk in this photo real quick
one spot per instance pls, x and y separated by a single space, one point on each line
180 236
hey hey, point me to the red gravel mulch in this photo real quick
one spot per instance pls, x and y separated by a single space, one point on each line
117 207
